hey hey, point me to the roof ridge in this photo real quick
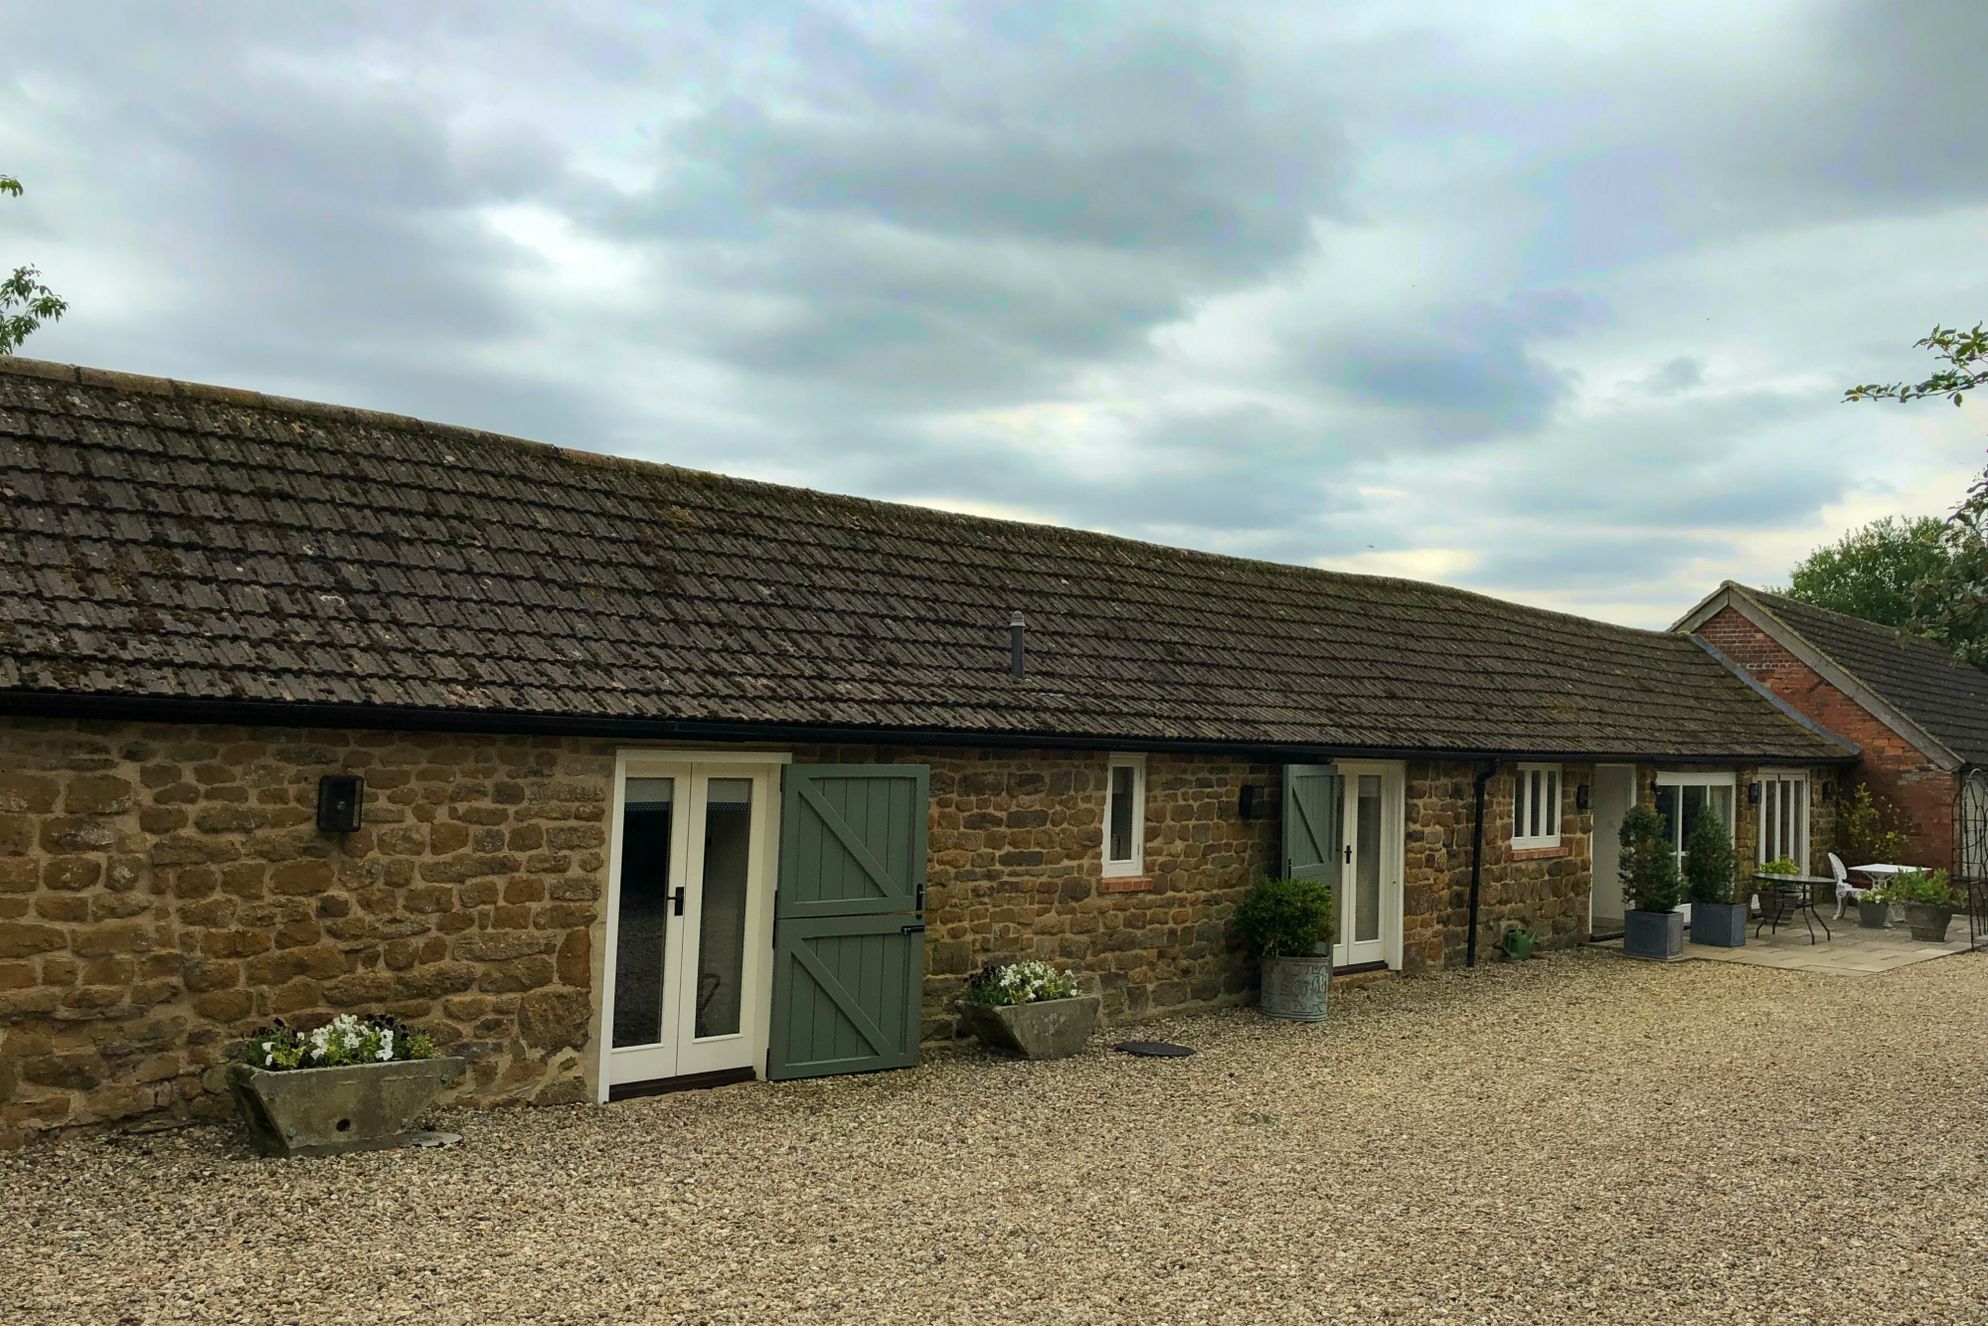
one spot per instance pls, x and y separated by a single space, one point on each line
178 388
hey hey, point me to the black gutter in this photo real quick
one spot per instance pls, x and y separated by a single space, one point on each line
47 704
1477 859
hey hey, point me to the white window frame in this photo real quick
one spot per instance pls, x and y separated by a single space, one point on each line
1768 799
1135 864
1522 779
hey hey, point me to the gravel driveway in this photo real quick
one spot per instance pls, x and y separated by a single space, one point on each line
1581 1139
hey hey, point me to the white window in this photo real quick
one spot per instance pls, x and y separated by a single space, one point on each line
1125 816
1536 806
1784 817
1682 798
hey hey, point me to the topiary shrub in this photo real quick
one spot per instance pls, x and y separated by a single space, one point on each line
1286 918
1647 867
1710 861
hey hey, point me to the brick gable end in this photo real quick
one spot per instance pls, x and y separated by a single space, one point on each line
1893 766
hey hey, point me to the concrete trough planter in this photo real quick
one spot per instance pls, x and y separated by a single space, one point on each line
1720 924
1046 1029
1928 921
330 1111
1655 936
1294 988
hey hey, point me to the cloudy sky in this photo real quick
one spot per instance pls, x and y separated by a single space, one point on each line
1552 300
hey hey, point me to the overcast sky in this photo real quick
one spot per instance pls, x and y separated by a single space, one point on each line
1556 301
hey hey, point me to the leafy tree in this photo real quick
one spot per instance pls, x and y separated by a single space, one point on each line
1870 827
25 303
1647 866
1875 572
1952 606
1710 862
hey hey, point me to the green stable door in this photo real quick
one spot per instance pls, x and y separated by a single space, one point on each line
849 926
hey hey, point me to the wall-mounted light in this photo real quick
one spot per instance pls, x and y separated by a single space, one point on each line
340 799
1753 794
1828 790
1251 803
1581 797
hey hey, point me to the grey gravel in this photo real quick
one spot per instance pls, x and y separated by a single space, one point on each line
1581 1139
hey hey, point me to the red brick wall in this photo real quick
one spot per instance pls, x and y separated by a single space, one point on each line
1893 767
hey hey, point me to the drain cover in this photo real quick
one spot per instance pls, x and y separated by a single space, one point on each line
1154 1049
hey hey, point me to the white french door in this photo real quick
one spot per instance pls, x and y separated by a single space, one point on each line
689 916
1370 863
1682 798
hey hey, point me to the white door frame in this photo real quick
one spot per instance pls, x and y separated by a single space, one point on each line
693 769
1628 772
1393 776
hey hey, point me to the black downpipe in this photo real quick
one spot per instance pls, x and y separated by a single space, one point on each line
1477 859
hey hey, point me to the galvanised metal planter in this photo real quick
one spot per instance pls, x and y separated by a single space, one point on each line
330 1111
1656 936
1720 924
1928 921
1294 988
1046 1029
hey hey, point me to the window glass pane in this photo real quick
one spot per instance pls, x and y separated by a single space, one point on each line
643 921
1519 785
1552 803
1532 804
1119 847
1367 860
1667 811
1719 800
722 906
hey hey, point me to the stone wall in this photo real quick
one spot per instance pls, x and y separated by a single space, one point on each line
1015 871
164 890
1895 769
1543 889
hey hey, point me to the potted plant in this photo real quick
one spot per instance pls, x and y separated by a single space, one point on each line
1929 898
1653 927
1710 864
1288 924
1518 943
354 1084
1030 1008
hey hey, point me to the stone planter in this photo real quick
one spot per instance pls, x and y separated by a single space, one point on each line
1720 924
329 1111
1657 936
1047 1029
1928 921
1294 988
1873 915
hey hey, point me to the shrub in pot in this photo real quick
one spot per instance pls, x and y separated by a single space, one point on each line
1930 899
1710 864
1288 924
1652 927
1029 1008
357 1083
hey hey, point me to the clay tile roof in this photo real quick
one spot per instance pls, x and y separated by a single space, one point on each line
1916 676
185 542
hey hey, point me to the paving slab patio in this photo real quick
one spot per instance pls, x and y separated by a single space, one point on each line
1846 949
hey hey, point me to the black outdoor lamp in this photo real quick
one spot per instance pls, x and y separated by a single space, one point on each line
340 797
1581 797
1753 793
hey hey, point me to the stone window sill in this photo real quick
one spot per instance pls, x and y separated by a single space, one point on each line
1126 884
1541 853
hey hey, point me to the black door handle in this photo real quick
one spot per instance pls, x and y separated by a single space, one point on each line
911 930
677 904
1349 861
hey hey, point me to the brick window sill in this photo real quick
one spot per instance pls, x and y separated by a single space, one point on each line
1541 853
1126 884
